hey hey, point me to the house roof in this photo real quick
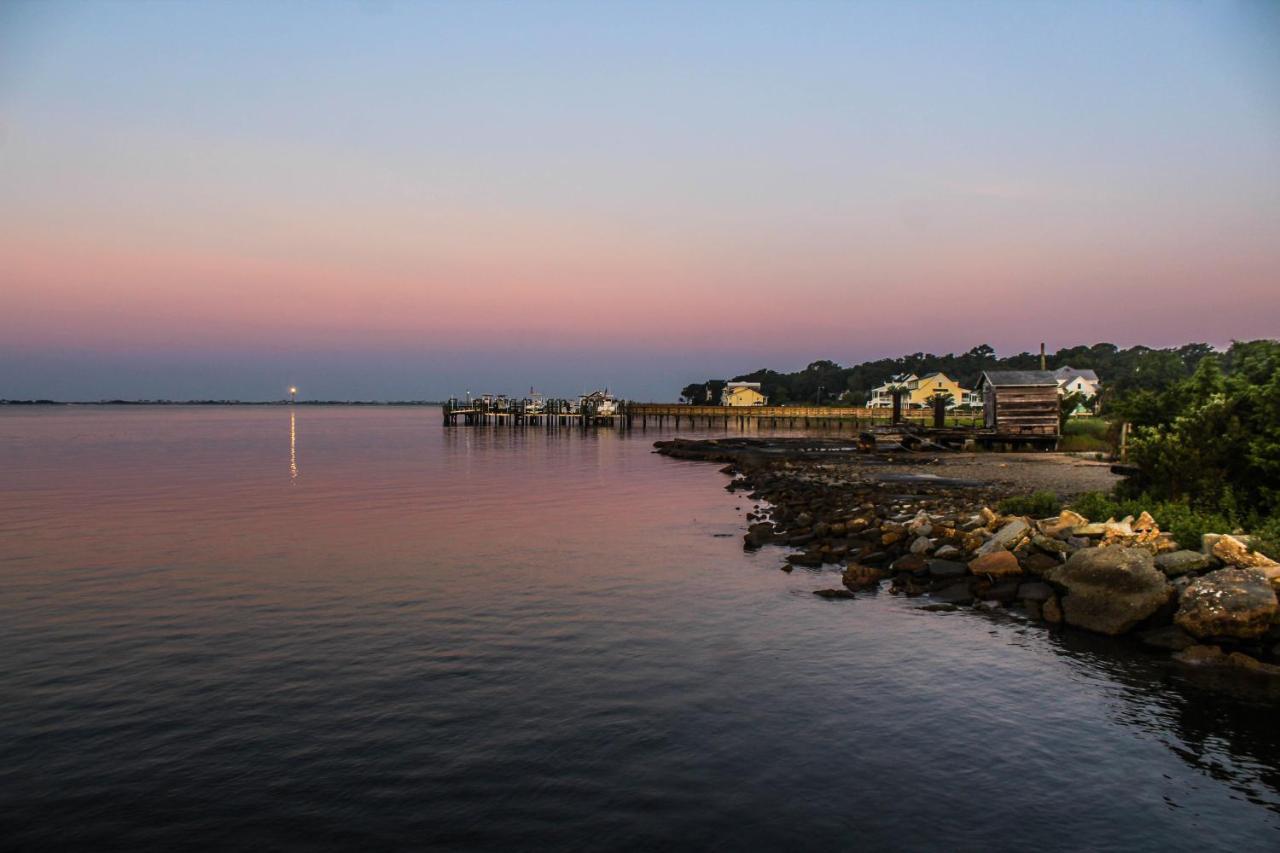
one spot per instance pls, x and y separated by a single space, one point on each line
1005 378
1069 373
754 386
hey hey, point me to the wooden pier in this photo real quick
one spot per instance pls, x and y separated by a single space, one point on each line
919 428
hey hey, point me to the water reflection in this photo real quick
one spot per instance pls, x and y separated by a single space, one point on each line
1220 723
293 445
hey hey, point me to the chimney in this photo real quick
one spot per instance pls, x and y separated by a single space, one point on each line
1042 362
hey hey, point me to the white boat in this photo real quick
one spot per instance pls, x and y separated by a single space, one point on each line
601 401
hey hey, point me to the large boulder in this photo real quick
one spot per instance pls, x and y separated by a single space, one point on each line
1110 590
1238 603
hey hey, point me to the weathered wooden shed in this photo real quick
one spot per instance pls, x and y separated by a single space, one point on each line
1020 403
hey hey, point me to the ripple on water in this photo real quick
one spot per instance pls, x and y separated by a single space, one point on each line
491 639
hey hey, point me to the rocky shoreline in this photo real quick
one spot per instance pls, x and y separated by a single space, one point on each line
833 505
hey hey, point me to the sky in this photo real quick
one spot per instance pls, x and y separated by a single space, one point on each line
395 200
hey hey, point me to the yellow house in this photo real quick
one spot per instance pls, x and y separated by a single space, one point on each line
921 390
742 394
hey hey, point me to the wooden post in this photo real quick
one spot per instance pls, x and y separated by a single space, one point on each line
897 406
939 411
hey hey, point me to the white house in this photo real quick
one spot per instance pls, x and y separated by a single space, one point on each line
882 395
1073 381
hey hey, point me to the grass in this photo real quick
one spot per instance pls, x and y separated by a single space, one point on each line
1087 435
1038 505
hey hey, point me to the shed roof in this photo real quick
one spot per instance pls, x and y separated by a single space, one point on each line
1006 378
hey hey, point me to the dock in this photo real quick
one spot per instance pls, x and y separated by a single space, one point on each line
919 429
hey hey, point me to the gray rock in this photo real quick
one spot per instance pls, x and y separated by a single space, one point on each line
1054 547
1236 603
1177 563
948 552
947 569
833 593
921 545
1110 590
1035 591
956 593
1169 637
1005 538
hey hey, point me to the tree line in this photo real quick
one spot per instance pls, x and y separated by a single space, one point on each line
1122 371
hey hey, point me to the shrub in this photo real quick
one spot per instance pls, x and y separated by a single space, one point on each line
1186 524
1038 505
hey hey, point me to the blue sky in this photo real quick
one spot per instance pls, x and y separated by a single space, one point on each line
392 199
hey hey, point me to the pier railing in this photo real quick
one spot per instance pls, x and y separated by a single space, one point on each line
627 414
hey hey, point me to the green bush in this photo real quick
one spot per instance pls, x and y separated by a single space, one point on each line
1266 537
1186 524
1038 505
1095 427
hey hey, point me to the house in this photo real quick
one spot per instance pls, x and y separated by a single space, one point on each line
1020 402
1073 381
917 391
742 394
882 395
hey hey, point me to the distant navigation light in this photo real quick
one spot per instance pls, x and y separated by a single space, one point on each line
293 394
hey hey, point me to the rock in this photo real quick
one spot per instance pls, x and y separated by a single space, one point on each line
1208 540
947 552
1233 552
947 568
940 608
1214 656
914 563
957 593
804 519
1066 522
833 593
890 538
1033 610
1177 563
810 559
1038 562
1005 592
999 564
759 534
921 545
1006 538
1097 528
1050 546
1236 603
1110 590
1035 591
1051 611
861 577
1169 637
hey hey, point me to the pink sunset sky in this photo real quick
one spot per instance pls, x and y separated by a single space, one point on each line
407 200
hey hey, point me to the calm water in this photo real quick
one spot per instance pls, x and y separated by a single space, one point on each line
235 627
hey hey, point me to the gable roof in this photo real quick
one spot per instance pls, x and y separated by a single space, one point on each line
1006 378
1069 373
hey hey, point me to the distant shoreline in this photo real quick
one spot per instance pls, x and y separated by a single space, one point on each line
218 403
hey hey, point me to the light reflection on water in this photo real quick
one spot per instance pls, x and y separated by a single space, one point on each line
497 638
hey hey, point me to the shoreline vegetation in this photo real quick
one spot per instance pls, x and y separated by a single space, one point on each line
924 527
